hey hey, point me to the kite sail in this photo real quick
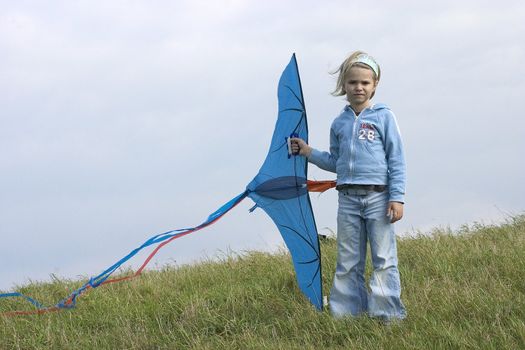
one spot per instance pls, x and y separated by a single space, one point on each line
280 189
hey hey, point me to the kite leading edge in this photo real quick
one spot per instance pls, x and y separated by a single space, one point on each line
280 189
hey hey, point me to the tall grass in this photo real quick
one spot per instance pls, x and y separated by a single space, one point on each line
462 290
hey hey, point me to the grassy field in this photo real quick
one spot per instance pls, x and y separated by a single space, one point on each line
462 290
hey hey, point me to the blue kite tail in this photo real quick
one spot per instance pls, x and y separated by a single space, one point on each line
160 240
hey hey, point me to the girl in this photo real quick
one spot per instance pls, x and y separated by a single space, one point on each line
367 154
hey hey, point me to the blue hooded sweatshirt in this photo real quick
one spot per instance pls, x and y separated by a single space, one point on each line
366 149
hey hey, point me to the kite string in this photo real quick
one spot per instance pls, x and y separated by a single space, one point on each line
101 279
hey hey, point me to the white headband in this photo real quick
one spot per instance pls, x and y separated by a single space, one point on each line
368 60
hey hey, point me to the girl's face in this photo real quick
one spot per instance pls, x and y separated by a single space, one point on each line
359 86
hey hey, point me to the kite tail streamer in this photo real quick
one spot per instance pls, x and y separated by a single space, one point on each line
103 278
320 186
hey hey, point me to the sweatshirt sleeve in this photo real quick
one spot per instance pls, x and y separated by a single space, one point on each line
326 160
396 159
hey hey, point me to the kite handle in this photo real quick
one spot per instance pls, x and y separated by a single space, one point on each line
289 143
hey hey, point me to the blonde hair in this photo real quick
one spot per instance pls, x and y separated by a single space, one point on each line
344 68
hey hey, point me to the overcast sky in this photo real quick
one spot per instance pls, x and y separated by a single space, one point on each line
124 119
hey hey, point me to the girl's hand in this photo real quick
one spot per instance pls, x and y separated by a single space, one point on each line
300 147
394 211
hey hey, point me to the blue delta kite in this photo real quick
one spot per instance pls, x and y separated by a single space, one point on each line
280 189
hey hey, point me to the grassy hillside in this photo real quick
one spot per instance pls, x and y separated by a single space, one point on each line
462 290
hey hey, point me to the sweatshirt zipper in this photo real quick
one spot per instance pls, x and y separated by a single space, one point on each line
352 145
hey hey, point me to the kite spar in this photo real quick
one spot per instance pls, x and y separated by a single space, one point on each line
280 189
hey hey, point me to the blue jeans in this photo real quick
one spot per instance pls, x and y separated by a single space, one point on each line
361 218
